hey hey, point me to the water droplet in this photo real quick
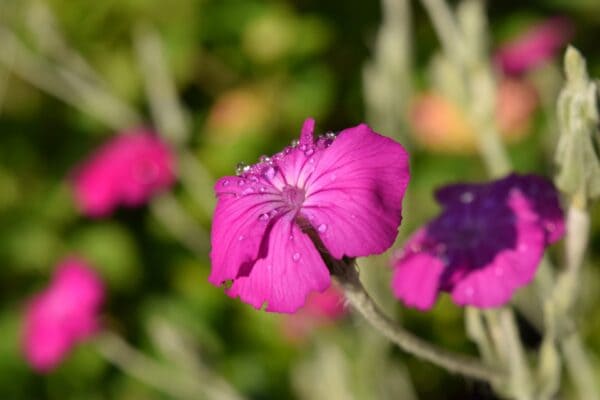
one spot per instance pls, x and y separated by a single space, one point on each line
332 177
270 172
225 182
303 147
415 247
241 182
241 237
241 168
262 189
291 237
311 160
467 197
248 190
273 213
295 142
330 135
322 228
263 217
265 159
523 247
309 152
296 257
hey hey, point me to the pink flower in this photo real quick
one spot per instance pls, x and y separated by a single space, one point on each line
345 190
486 243
535 47
62 315
321 309
127 170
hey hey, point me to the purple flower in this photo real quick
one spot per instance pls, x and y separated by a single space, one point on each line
127 170
486 243
535 47
63 315
346 190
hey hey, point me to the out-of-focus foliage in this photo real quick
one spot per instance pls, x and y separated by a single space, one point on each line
248 72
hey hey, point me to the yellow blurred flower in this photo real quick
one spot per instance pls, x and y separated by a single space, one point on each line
236 113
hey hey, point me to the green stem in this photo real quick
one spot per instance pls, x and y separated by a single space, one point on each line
177 384
355 293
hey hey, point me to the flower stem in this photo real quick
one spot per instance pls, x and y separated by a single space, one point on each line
177 384
347 275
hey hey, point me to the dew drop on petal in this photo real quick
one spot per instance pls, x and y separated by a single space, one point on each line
241 182
467 197
291 237
330 135
309 152
264 159
248 190
263 217
296 257
322 228
523 247
295 142
241 237
270 172
225 182
239 169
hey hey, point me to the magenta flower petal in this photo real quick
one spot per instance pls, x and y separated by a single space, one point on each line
535 47
290 270
239 224
489 239
543 197
63 315
417 280
511 267
127 170
355 196
346 189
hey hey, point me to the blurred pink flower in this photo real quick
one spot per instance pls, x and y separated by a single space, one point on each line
536 46
127 170
440 125
487 243
63 315
345 190
321 309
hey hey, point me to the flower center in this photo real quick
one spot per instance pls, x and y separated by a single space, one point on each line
293 197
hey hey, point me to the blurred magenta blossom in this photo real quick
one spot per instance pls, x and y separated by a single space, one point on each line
487 242
538 45
62 315
321 309
343 191
127 170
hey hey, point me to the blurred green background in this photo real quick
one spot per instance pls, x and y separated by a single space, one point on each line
247 73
